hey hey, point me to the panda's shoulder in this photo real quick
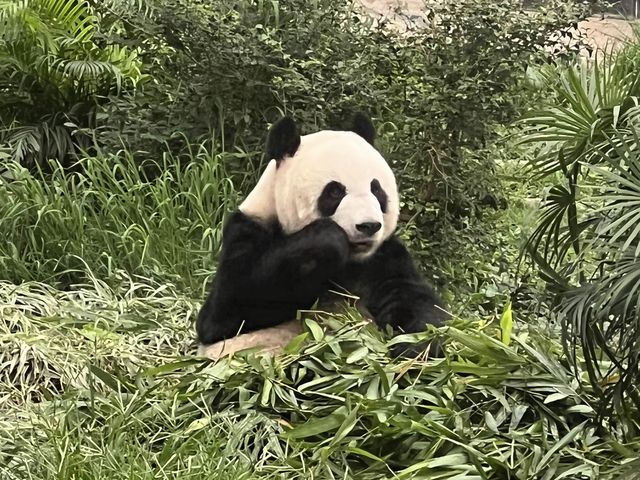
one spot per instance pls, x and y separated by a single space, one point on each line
240 226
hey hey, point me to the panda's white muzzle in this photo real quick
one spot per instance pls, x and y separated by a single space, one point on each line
360 216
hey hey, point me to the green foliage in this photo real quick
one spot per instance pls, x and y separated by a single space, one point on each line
53 74
432 90
587 240
117 400
97 375
157 218
233 66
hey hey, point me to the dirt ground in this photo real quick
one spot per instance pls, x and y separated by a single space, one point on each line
608 32
600 33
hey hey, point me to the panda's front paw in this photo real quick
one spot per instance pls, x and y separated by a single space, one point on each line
326 243
209 331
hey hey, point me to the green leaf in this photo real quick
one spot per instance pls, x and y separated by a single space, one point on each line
560 444
295 344
554 397
453 460
357 355
490 422
364 453
110 380
506 324
347 426
316 330
266 391
316 426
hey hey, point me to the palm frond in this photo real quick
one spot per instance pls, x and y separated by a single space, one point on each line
587 241
620 196
50 62
591 99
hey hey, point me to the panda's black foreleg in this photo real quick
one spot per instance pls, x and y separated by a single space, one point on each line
306 259
395 294
264 277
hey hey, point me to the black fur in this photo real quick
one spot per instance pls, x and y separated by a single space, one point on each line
394 292
362 125
283 139
264 277
330 198
380 194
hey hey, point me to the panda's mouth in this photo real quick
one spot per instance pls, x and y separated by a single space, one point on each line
361 246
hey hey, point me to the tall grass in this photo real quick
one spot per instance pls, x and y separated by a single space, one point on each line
110 215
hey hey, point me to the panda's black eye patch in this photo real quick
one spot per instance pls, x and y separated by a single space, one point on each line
380 194
330 198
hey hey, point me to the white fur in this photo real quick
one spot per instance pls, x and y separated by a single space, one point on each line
290 191
260 203
346 158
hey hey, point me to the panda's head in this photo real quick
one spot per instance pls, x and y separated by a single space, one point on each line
328 174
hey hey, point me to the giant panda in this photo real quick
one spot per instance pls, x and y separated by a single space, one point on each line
322 215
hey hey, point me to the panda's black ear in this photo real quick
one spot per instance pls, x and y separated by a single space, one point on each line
363 126
283 139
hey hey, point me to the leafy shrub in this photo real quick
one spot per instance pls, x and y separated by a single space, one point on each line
587 240
53 75
235 65
436 92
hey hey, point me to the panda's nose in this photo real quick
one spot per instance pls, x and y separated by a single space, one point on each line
369 228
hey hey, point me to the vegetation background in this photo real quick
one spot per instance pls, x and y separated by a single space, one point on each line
131 128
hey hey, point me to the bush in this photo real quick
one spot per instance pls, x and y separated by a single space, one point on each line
587 240
434 91
53 76
226 69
